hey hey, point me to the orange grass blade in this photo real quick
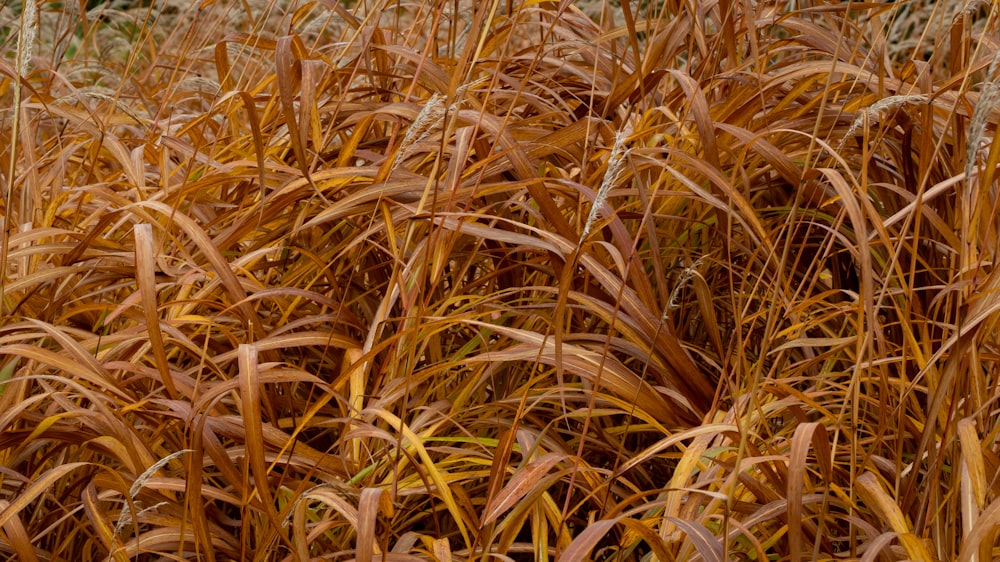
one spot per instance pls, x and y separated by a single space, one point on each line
212 254
370 504
805 435
878 500
17 537
249 386
36 489
412 440
145 276
523 481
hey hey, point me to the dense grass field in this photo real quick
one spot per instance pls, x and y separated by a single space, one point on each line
501 280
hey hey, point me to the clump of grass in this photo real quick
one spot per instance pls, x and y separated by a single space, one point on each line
289 280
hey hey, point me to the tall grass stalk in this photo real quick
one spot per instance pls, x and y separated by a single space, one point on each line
26 33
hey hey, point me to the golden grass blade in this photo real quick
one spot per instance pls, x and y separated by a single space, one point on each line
220 459
686 375
972 455
290 341
258 138
37 488
678 491
973 483
299 537
412 440
985 527
26 32
17 537
329 495
66 365
705 542
250 399
101 522
521 484
288 53
586 364
498 468
194 496
649 536
707 546
698 106
161 540
370 504
212 254
805 434
356 383
704 295
71 346
146 280
888 511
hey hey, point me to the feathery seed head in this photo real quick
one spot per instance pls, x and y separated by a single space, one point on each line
611 175
29 29
876 109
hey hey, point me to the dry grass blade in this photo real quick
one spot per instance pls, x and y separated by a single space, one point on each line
36 489
253 422
433 473
707 544
26 32
212 254
875 496
805 434
585 542
986 525
972 455
63 364
372 502
590 365
146 279
521 484
17 536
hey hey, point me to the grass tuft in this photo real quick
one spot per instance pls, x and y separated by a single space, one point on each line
285 280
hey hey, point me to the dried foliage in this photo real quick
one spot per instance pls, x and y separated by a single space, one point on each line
291 280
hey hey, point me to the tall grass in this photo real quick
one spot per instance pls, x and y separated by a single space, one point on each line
289 280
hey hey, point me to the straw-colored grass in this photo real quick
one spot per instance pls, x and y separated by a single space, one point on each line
290 280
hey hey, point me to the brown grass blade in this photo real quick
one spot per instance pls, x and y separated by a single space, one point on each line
212 254
36 489
371 503
146 280
250 400
17 537
877 499
521 483
805 434
984 528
